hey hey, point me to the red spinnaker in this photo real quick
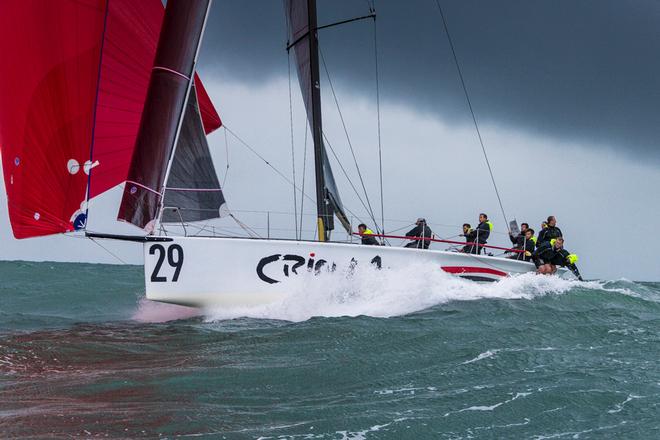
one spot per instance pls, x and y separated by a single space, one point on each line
49 77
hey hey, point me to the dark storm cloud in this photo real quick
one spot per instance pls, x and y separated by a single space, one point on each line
576 70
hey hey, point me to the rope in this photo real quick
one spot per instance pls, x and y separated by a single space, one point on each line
108 251
380 149
350 144
251 232
469 102
293 151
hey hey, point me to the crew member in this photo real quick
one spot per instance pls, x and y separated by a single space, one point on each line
551 254
470 237
367 235
483 231
550 232
527 245
517 241
420 231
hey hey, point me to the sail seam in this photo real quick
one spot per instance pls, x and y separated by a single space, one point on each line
171 71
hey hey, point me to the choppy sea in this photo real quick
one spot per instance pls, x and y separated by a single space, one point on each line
400 355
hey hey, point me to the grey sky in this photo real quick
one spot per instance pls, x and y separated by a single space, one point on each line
575 70
565 93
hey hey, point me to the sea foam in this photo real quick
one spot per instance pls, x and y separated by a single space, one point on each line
389 292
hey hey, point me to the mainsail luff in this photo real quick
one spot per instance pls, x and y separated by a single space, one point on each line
323 209
163 113
304 40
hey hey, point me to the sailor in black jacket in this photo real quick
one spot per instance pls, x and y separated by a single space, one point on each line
547 234
421 230
483 231
470 237
551 254
518 240
528 244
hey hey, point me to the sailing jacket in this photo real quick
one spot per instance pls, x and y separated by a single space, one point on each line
548 234
368 239
527 246
547 254
470 237
421 231
483 232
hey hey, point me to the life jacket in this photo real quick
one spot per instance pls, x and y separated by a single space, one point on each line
533 239
368 232
490 225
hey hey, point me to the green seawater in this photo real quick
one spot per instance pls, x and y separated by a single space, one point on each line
82 356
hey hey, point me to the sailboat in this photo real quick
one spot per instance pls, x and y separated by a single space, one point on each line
115 99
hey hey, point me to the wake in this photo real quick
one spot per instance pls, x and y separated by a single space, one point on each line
392 292
383 294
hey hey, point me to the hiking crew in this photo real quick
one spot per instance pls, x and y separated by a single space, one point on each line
527 246
549 232
518 240
551 254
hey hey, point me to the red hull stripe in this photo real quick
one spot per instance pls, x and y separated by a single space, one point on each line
463 269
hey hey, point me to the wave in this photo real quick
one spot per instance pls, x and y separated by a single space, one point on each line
395 292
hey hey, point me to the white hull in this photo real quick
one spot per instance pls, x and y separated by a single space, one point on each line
204 271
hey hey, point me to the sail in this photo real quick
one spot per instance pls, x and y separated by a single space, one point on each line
129 49
54 107
49 70
193 191
298 19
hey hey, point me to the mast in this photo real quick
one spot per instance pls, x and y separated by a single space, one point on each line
324 213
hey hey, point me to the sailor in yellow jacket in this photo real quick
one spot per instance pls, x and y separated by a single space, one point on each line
367 235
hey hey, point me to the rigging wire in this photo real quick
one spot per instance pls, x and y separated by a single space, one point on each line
281 174
357 194
469 102
251 232
246 145
108 251
227 156
380 148
348 139
293 151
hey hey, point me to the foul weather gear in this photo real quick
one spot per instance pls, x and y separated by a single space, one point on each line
528 247
548 234
483 232
470 237
369 239
421 230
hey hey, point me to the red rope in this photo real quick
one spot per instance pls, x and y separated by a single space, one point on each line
438 240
